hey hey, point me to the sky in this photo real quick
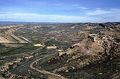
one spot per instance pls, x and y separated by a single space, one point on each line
60 10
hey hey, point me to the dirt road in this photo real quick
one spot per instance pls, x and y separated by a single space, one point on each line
50 75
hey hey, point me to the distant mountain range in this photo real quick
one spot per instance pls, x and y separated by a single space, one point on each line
15 23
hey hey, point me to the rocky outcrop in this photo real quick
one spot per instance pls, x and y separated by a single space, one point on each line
94 49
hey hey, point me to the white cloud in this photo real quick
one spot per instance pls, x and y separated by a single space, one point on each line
83 8
101 15
97 15
98 12
39 17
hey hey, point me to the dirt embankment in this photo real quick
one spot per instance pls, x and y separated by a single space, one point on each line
7 36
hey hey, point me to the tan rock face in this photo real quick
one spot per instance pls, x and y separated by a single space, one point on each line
88 47
89 51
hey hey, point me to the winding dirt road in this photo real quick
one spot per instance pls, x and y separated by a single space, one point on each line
50 75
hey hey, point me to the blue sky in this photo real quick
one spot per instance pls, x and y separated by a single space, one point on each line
60 10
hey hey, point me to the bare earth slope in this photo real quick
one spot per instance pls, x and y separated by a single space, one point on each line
7 36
